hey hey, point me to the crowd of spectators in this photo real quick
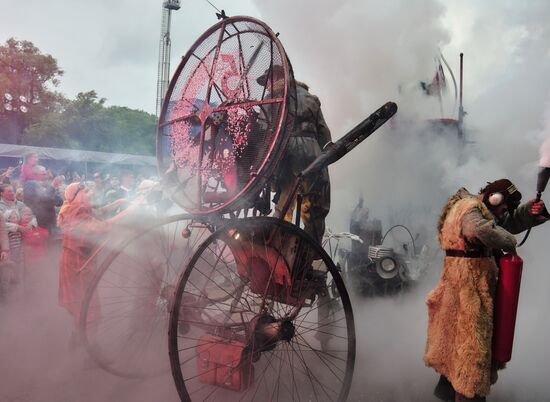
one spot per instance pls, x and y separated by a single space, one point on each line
30 199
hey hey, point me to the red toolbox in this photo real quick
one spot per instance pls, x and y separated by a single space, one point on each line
224 363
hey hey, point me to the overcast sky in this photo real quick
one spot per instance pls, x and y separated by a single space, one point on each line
355 54
109 46
112 46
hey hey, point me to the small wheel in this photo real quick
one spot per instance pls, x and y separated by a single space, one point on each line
254 318
124 313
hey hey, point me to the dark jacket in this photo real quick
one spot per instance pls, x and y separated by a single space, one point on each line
42 199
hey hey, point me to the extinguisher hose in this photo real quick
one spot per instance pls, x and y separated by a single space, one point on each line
537 199
525 237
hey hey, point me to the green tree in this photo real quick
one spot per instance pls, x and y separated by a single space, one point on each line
85 123
132 131
27 82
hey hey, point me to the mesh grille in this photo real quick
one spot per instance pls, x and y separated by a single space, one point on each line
376 252
222 128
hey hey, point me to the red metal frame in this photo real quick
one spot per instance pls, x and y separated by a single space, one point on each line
274 152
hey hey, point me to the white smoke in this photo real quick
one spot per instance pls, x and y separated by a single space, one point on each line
545 147
355 55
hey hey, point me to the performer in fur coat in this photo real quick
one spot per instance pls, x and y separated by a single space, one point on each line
472 229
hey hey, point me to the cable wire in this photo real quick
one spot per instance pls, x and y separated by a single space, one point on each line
216 8
408 231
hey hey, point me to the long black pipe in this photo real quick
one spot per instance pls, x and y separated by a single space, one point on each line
335 151
460 105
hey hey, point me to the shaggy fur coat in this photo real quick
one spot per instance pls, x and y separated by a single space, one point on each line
460 307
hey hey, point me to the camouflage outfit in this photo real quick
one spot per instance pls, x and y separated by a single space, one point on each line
304 145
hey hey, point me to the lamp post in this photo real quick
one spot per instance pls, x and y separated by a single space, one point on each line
163 75
13 108
15 104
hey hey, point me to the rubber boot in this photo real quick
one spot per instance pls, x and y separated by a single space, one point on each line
444 389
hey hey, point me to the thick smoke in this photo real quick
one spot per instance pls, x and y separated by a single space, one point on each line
355 56
545 147
38 363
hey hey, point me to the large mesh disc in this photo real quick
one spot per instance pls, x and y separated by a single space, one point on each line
226 117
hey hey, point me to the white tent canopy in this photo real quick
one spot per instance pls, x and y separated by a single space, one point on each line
76 155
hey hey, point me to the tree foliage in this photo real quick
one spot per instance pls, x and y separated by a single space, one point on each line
86 123
52 120
30 77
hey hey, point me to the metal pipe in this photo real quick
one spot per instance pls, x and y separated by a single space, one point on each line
461 76
461 108
299 199
335 151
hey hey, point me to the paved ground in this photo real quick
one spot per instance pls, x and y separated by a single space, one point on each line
37 366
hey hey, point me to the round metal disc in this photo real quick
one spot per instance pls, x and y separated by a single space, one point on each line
226 117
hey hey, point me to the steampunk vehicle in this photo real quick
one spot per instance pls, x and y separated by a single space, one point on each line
254 308
374 266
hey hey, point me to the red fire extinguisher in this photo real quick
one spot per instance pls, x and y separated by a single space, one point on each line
506 306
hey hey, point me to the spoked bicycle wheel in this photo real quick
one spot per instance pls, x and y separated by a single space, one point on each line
254 318
124 314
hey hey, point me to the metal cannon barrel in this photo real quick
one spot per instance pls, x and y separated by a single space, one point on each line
358 134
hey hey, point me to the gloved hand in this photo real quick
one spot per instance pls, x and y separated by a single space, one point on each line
537 208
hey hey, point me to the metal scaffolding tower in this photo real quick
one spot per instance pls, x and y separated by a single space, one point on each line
164 50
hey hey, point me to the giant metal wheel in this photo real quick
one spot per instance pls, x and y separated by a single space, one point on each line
220 135
253 319
261 311
124 314
260 308
226 117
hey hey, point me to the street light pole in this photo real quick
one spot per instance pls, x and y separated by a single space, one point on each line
12 111
164 50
